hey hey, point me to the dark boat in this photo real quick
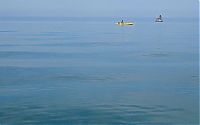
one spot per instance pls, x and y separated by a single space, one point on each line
159 19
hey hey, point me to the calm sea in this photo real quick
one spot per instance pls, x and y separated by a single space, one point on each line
70 71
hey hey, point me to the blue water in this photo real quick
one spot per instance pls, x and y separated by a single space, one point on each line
90 71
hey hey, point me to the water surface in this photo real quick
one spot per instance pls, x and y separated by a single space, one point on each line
94 72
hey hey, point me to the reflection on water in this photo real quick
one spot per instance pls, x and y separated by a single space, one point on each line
64 72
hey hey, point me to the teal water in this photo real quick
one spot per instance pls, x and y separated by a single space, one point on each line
83 71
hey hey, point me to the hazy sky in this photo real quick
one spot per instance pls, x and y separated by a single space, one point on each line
99 8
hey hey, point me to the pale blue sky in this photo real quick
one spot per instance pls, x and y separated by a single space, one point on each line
99 8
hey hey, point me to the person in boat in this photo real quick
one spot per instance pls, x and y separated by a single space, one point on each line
121 22
160 17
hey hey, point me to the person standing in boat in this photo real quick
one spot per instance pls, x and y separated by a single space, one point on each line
160 17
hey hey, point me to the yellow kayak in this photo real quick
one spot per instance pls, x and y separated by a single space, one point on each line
124 23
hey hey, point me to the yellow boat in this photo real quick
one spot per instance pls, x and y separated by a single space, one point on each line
124 23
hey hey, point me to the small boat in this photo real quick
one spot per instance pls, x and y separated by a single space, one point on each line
159 19
122 23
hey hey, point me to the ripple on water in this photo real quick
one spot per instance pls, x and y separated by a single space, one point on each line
7 31
101 114
157 54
